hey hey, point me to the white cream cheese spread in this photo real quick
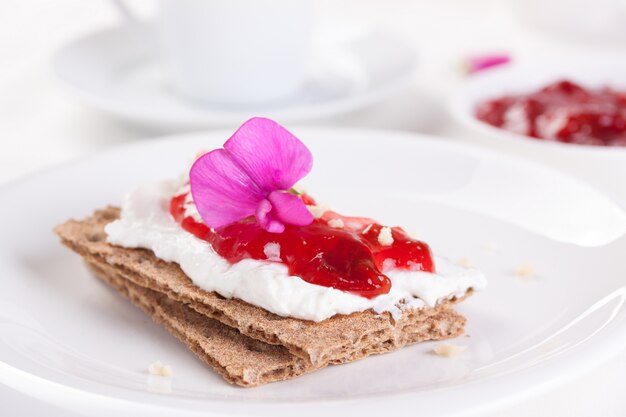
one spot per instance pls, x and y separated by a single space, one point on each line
145 222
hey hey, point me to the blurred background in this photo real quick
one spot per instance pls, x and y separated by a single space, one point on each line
78 77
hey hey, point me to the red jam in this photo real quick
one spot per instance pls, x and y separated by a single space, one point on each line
350 258
563 112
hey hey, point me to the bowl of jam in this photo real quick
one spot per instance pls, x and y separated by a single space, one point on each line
570 114
562 111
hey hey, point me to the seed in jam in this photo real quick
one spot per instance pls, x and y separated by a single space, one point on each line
562 111
349 258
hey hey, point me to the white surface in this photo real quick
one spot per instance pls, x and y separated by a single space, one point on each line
42 125
113 71
96 359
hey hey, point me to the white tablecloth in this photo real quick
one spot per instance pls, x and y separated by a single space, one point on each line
42 125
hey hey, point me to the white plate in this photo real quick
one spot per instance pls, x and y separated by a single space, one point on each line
67 339
605 166
117 70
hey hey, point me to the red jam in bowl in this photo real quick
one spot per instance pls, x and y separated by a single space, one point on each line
349 258
562 111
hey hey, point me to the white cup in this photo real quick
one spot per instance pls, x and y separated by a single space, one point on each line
235 52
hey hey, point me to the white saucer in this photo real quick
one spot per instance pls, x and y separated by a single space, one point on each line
114 71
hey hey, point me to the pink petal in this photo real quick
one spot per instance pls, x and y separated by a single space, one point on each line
289 209
247 177
222 191
272 157
482 62
266 219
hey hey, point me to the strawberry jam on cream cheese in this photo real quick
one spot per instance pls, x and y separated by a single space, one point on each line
346 253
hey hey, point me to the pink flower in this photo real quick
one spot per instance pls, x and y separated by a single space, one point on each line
251 175
482 62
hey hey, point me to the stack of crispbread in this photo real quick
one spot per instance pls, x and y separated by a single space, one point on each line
247 345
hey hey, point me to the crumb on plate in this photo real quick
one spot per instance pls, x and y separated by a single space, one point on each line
448 350
159 369
525 271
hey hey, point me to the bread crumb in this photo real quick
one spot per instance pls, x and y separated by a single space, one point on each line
336 223
385 238
466 262
318 210
525 271
448 350
272 251
389 264
157 368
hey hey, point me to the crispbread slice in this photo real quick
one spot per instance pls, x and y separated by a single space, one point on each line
239 359
340 339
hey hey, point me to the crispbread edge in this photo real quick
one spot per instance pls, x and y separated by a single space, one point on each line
336 340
